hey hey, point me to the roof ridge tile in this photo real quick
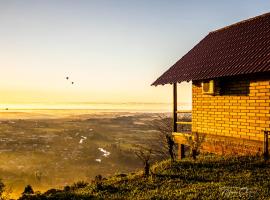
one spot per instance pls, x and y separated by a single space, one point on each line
241 22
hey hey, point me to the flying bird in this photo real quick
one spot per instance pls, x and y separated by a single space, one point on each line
69 79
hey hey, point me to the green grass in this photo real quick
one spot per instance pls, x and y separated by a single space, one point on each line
210 177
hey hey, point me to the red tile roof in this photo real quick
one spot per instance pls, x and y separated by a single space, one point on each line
241 48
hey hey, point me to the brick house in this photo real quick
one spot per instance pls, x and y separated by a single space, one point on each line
230 74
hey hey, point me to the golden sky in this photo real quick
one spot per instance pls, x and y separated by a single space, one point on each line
112 50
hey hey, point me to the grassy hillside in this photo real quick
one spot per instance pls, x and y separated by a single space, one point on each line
210 177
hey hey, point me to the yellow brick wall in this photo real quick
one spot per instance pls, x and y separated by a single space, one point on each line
240 108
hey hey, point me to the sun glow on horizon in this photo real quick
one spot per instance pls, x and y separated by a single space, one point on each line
112 51
77 94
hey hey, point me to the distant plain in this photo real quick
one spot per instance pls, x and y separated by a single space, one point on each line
54 148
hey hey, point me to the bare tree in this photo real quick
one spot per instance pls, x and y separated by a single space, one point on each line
195 141
164 143
144 154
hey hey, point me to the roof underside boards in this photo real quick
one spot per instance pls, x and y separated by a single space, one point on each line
242 48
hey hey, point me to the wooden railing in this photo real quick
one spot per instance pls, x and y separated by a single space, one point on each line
183 111
183 122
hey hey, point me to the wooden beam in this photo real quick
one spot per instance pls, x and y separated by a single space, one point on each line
184 123
184 111
174 107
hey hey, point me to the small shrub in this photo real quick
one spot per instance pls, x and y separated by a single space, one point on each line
78 185
98 182
2 188
67 188
28 190
52 192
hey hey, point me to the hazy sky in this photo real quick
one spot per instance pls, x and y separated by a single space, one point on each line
113 50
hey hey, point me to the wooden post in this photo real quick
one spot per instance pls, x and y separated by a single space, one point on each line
181 147
174 107
266 145
181 151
